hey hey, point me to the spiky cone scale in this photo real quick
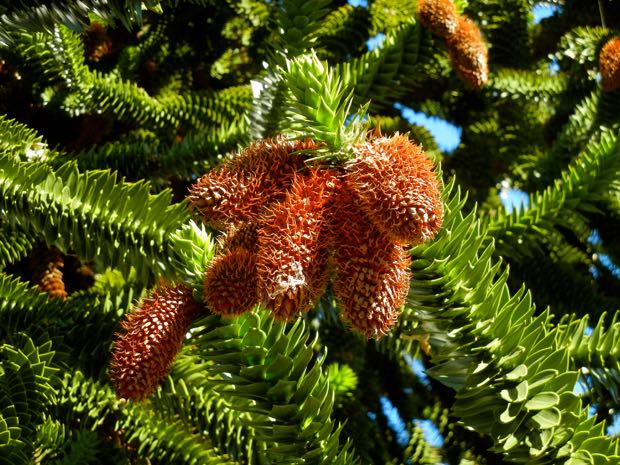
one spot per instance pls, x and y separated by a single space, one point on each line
238 190
609 64
468 53
372 270
439 16
152 336
230 283
396 186
293 246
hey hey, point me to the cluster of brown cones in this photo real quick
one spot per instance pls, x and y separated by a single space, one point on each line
467 50
609 64
291 226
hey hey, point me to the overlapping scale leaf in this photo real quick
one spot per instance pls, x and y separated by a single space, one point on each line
273 373
91 213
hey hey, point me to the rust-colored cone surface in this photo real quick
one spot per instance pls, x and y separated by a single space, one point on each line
152 337
609 64
293 246
396 187
440 16
372 272
238 190
468 53
230 283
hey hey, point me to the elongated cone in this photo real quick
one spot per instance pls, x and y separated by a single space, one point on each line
440 16
468 53
372 271
397 188
237 191
609 64
153 334
293 246
230 283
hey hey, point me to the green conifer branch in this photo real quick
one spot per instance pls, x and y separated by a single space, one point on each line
343 33
596 353
516 84
404 61
26 388
507 364
272 374
320 104
115 224
14 245
88 403
60 57
298 23
154 159
587 181
39 15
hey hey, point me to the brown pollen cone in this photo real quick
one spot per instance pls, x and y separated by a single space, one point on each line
152 337
238 190
230 283
293 246
372 271
244 235
48 274
440 16
609 64
468 53
396 187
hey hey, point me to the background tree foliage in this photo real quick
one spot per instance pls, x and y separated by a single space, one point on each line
111 109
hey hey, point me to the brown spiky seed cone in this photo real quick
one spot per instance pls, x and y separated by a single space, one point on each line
152 337
238 190
372 271
293 246
244 235
48 274
440 16
230 283
609 64
397 188
468 53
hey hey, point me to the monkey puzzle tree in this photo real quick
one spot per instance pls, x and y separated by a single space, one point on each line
342 284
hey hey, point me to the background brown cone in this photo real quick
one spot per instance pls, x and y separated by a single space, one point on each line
468 53
609 64
440 16
48 273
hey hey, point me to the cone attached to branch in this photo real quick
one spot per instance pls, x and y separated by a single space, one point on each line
440 16
238 190
609 64
468 53
394 182
230 283
372 271
293 246
153 334
287 223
